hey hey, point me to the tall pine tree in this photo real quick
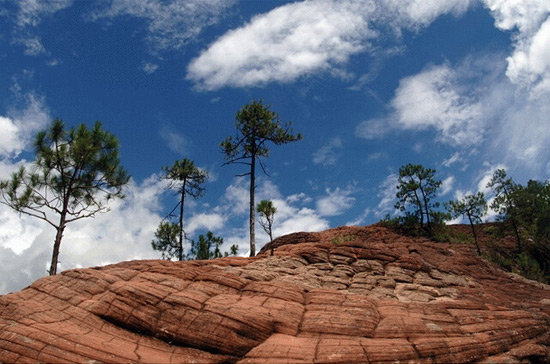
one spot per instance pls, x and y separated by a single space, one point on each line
256 126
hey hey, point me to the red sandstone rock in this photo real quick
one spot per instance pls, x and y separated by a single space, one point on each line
347 295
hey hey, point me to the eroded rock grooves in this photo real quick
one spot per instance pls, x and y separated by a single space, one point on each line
347 295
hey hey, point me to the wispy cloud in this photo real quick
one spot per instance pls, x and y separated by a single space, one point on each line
284 44
447 185
386 192
336 201
329 153
19 125
29 14
175 140
170 24
149 68
302 38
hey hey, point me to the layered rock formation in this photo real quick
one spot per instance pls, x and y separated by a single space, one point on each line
347 295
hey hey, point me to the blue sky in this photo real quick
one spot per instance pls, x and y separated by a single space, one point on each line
462 86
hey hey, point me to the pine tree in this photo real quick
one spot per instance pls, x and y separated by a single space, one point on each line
76 172
187 180
417 187
256 125
474 207
267 215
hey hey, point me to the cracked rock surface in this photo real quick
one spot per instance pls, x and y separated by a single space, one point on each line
346 295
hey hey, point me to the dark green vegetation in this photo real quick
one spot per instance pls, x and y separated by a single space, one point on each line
417 188
472 207
256 125
208 247
75 173
523 214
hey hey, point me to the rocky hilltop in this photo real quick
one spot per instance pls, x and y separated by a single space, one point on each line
347 295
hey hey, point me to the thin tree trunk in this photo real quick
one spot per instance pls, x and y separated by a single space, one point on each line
428 222
56 245
475 235
516 232
180 253
512 219
421 210
252 211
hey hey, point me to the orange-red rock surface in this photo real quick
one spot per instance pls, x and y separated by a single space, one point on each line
347 295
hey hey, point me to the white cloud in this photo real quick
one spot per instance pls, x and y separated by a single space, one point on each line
434 98
176 141
170 24
300 38
529 65
455 158
360 220
485 177
237 196
372 129
290 41
414 14
29 15
447 185
296 220
9 139
124 233
453 101
31 11
33 45
328 154
291 215
335 202
207 221
387 193
149 67
18 126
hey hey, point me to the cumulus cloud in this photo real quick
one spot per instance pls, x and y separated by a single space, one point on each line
19 125
335 202
293 215
207 221
435 98
170 24
329 153
124 233
528 65
442 98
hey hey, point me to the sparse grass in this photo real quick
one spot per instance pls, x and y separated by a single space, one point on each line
340 239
